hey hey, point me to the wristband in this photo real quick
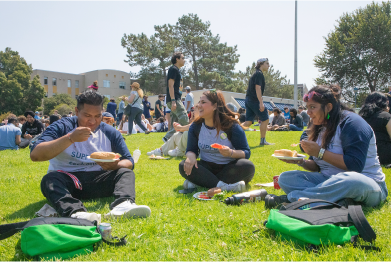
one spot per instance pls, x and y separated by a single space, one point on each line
172 100
321 153
232 152
69 137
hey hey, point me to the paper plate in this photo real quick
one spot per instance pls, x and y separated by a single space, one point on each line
198 194
102 160
299 157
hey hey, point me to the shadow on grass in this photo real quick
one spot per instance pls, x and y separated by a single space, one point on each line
28 212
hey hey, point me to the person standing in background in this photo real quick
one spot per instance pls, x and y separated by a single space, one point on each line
111 107
254 99
121 109
174 94
189 102
167 113
37 115
94 86
159 107
147 107
135 100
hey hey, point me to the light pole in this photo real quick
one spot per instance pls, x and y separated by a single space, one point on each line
355 98
295 63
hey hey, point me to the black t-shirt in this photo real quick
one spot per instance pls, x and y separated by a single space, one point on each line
173 73
378 122
33 129
256 79
158 104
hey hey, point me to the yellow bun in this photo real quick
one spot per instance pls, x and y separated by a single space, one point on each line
103 155
285 152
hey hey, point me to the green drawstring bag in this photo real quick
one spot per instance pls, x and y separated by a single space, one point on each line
59 241
57 237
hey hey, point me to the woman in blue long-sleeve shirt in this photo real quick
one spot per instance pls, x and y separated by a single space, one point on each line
227 168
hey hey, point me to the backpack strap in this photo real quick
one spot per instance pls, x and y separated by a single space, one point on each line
361 223
9 230
297 204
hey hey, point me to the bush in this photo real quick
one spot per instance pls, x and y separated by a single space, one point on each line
4 116
63 109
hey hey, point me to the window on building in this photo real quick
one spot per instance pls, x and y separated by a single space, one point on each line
106 83
46 94
54 82
122 85
45 80
69 83
76 83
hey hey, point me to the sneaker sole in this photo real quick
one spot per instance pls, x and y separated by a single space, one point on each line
139 211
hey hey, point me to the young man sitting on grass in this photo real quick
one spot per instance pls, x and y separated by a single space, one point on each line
72 176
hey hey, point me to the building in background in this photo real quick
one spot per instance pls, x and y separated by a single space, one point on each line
112 83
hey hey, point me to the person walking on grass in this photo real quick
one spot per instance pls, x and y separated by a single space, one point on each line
254 101
174 102
159 107
135 100
71 176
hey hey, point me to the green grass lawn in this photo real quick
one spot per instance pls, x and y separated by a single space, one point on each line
181 227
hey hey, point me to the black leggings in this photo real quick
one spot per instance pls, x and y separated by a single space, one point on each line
208 174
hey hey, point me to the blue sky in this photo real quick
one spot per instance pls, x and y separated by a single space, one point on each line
77 37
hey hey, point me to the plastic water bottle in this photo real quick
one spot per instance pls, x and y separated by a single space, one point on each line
136 155
246 197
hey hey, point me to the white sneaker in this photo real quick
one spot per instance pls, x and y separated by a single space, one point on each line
176 152
156 152
236 187
89 216
128 209
187 184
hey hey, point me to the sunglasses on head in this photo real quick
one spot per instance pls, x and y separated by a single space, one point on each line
310 95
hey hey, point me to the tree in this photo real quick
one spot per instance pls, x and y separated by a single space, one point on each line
51 103
358 51
276 85
63 109
212 63
153 54
17 91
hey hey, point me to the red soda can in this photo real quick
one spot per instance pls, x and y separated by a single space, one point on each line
275 181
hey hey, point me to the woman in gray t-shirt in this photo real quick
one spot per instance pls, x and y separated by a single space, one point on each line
135 100
226 166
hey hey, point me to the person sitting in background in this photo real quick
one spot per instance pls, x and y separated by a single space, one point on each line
176 145
70 114
72 176
159 126
63 116
53 118
145 123
21 120
278 120
375 112
287 114
343 165
10 134
271 116
108 118
227 167
46 123
30 129
242 115
296 123
304 115
191 115
37 115
232 107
